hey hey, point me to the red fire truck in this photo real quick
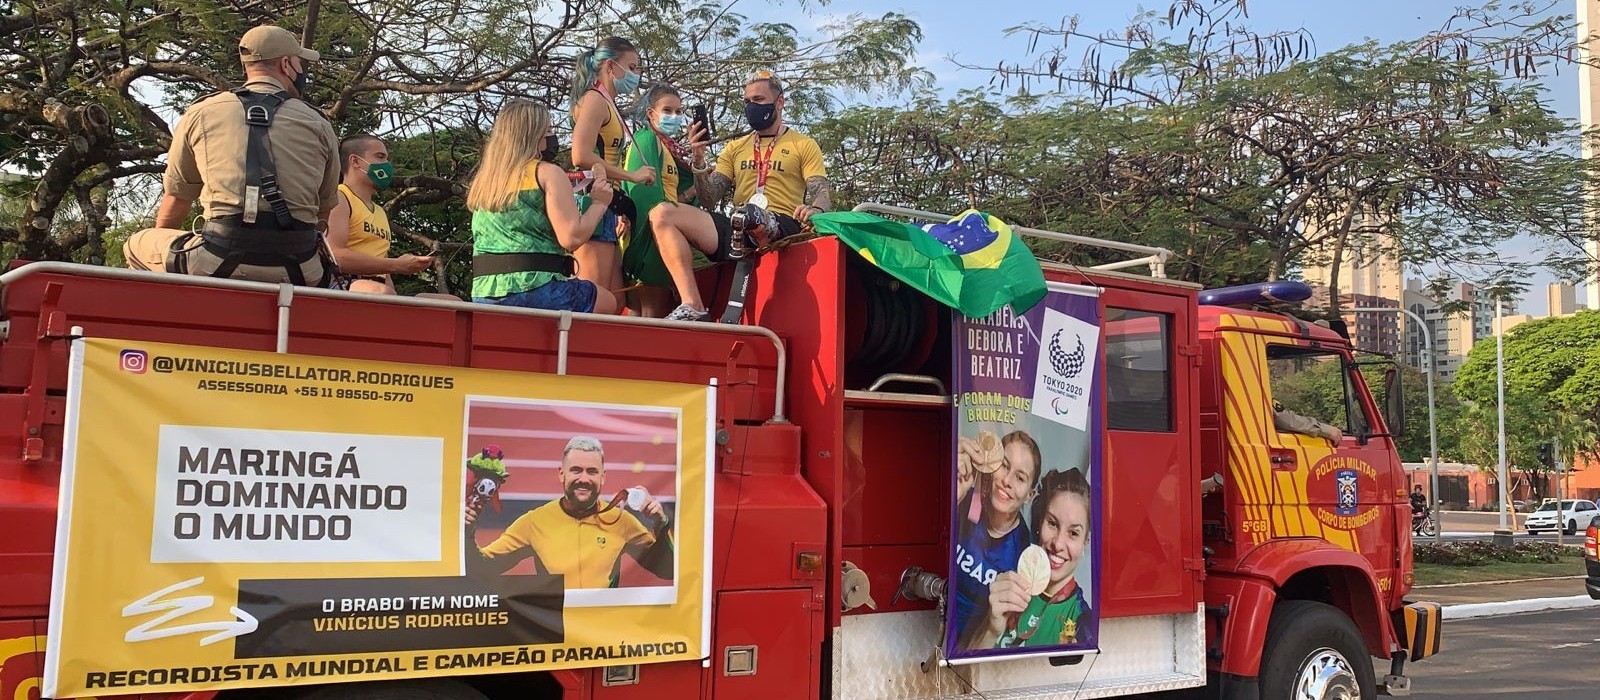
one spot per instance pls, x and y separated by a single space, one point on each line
1238 565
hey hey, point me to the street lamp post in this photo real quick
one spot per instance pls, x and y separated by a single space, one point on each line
1433 432
1503 535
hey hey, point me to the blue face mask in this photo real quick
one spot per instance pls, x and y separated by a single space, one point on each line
629 82
672 124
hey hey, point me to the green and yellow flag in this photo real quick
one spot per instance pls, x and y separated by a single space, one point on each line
973 263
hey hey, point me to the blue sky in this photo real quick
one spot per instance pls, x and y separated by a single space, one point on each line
975 33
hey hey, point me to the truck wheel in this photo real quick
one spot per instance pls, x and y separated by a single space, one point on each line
396 690
1314 652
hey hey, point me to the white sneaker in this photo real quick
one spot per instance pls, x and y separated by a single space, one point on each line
685 312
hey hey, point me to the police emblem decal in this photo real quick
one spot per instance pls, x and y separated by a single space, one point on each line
1348 495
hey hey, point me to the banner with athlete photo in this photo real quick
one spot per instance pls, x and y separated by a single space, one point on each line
233 519
1025 560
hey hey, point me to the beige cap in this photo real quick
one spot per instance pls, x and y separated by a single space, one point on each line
267 42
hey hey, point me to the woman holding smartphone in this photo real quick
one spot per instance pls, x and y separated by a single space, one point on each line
672 237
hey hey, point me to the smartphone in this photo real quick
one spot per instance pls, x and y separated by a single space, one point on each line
700 116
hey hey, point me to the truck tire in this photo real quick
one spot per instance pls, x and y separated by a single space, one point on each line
1313 651
396 690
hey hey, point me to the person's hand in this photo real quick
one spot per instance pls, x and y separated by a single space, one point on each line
970 446
966 477
645 175
699 140
1334 435
1008 595
469 515
411 264
803 212
600 193
653 509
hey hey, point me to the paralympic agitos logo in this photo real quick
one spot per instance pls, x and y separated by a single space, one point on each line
1066 364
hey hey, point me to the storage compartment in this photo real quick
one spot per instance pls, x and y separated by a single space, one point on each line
765 641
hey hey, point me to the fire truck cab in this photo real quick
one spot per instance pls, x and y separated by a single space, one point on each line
1242 561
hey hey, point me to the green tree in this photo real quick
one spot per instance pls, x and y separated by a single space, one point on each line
1552 391
1246 155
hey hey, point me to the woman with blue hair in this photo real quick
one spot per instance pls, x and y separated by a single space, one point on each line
601 75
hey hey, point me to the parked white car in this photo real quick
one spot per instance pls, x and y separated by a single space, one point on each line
1572 513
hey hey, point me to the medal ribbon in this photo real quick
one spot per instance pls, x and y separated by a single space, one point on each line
763 162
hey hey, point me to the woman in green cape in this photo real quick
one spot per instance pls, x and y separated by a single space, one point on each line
670 237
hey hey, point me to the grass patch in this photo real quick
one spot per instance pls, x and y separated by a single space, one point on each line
1435 574
1466 562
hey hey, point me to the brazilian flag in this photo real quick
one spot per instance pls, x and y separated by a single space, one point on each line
973 263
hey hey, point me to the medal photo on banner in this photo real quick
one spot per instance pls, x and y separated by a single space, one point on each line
1025 538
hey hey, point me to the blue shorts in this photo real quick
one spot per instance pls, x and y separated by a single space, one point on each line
606 232
569 294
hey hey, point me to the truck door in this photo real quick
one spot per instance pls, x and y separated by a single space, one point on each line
1340 491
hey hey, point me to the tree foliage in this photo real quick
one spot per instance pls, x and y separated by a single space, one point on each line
1552 391
1248 155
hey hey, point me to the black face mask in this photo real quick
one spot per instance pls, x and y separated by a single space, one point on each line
760 116
302 82
548 155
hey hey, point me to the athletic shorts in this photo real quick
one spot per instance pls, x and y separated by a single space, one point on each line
571 294
606 232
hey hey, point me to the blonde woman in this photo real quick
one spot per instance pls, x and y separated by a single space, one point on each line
525 221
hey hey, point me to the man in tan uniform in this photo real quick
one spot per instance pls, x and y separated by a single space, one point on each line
262 197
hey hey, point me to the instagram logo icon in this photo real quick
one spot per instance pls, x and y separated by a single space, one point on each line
135 361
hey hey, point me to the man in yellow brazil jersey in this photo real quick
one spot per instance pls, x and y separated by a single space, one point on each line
578 535
774 167
358 229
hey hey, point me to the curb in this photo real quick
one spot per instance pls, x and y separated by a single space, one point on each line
1468 611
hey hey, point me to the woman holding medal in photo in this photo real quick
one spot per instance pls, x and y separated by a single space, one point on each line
996 478
660 251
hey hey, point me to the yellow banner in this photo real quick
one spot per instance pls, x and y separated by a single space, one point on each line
239 519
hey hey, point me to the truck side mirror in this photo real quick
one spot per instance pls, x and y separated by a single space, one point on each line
1394 403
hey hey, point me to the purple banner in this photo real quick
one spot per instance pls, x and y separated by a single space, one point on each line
1025 556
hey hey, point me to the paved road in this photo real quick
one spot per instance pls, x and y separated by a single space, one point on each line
1515 657
1460 526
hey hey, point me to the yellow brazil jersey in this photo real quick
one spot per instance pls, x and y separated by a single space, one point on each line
795 159
669 176
608 144
584 550
369 227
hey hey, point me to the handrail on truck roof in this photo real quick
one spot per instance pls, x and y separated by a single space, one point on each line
1155 257
287 292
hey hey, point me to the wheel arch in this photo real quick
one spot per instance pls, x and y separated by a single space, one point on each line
1298 569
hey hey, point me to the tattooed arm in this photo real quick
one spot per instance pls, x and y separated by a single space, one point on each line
818 197
711 188
819 193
